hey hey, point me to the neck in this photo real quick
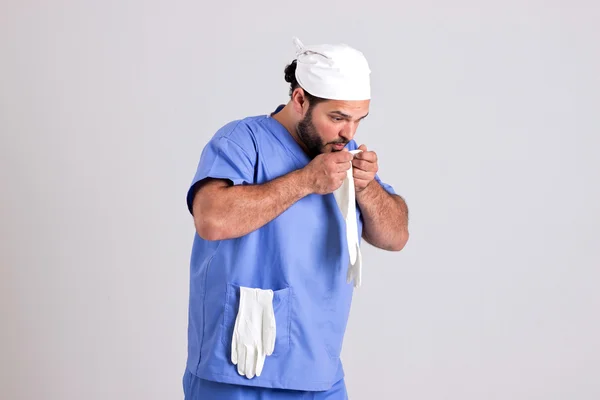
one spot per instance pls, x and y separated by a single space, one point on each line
287 118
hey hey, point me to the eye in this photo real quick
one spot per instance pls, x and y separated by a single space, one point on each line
337 119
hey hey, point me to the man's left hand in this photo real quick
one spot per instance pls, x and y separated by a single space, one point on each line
364 168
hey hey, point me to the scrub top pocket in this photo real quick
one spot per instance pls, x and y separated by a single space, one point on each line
281 309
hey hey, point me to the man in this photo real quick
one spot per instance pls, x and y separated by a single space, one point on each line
272 258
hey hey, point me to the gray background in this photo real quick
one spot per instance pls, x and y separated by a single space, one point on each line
485 117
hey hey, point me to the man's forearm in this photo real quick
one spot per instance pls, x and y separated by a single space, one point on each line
226 212
385 217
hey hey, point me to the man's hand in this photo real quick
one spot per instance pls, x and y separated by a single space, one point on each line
326 172
364 168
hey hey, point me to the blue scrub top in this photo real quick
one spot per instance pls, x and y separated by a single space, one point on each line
301 255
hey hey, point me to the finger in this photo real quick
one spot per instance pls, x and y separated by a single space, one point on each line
367 155
234 349
349 275
250 361
342 156
342 167
269 331
362 147
260 363
241 366
340 177
364 165
234 341
362 175
359 268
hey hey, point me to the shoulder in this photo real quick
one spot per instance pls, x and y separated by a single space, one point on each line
243 133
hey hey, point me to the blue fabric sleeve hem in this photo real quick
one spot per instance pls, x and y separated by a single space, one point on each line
193 187
388 188
222 158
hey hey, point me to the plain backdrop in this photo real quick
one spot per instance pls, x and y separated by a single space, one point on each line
485 117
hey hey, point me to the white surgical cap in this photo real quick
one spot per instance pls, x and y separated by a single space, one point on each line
336 72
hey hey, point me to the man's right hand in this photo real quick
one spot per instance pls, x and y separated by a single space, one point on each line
327 171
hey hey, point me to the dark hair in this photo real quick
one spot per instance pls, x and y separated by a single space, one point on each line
290 77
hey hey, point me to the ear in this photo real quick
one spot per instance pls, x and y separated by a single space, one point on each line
299 102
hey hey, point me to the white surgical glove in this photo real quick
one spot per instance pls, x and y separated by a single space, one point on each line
345 197
254 331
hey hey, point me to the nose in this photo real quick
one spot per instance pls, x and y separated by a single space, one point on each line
348 131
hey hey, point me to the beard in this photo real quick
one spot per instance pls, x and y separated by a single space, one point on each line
308 134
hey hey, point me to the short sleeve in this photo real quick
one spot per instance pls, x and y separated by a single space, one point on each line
223 158
388 188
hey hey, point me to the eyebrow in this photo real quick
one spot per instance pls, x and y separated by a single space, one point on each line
347 116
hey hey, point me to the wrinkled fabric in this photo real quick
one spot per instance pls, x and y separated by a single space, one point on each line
345 197
301 255
200 389
333 71
254 331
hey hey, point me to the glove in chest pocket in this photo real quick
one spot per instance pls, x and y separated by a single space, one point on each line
281 309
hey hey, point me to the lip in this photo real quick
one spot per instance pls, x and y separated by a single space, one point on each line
339 146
